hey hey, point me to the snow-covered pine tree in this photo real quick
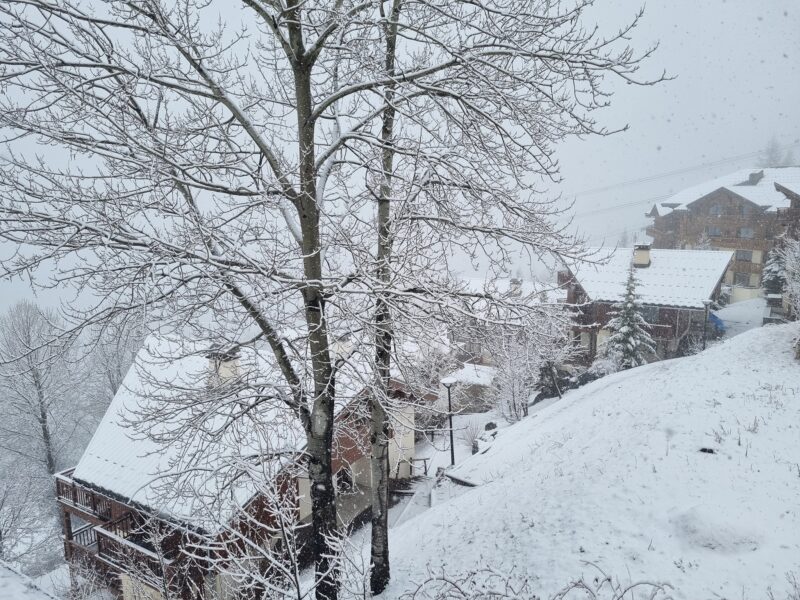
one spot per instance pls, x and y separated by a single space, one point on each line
630 341
773 277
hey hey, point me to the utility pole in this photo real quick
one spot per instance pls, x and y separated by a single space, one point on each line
448 382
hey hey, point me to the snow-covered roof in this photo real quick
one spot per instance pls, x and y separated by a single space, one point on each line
682 278
471 374
201 474
15 586
756 185
187 474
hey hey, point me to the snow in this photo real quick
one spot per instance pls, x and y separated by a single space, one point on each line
472 374
764 193
681 278
167 476
15 586
195 475
742 316
612 475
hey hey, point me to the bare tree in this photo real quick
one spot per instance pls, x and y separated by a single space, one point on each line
17 520
230 166
36 385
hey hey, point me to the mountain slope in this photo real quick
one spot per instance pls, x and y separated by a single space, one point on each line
613 474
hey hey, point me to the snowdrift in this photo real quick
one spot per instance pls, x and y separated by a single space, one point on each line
684 471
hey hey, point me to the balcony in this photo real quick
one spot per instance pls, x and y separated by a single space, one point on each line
121 546
71 493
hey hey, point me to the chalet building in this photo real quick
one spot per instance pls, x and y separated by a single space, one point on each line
676 289
141 512
743 212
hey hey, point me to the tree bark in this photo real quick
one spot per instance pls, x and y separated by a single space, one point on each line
379 419
44 422
320 437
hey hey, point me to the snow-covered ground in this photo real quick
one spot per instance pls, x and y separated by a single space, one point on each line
684 471
742 316
15 586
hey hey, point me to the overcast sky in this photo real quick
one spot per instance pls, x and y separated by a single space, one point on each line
737 84
736 65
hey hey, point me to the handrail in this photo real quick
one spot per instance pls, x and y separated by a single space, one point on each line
78 495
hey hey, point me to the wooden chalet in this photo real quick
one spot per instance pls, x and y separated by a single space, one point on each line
133 518
744 212
676 288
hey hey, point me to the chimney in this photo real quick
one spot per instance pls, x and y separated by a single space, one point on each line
223 364
515 286
755 177
641 256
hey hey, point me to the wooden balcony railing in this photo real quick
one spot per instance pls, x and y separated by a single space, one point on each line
124 543
70 492
85 537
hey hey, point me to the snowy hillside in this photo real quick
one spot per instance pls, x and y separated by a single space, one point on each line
614 475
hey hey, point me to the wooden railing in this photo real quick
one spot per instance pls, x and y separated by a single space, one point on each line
124 543
67 490
85 536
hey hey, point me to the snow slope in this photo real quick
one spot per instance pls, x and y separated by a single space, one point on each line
613 475
15 586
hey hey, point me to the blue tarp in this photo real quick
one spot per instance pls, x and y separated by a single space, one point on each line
716 322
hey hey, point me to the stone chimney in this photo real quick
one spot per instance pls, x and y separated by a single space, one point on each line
641 256
515 286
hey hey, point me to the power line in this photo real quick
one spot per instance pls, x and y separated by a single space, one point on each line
665 174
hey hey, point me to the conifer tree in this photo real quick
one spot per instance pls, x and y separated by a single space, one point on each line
630 341
773 277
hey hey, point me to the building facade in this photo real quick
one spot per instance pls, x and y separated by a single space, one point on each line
744 212
677 289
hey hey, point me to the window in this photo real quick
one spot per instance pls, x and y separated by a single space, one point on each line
745 233
744 255
741 279
715 210
713 231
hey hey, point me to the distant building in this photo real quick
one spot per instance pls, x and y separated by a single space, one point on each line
743 212
675 288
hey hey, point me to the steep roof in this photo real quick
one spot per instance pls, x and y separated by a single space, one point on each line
15 586
202 474
188 475
756 185
681 278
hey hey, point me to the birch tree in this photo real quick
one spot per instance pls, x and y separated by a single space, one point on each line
301 174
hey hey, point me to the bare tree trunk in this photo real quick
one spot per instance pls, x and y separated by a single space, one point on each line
44 422
379 419
323 498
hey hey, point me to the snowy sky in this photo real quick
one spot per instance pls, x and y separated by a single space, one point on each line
737 84
736 65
